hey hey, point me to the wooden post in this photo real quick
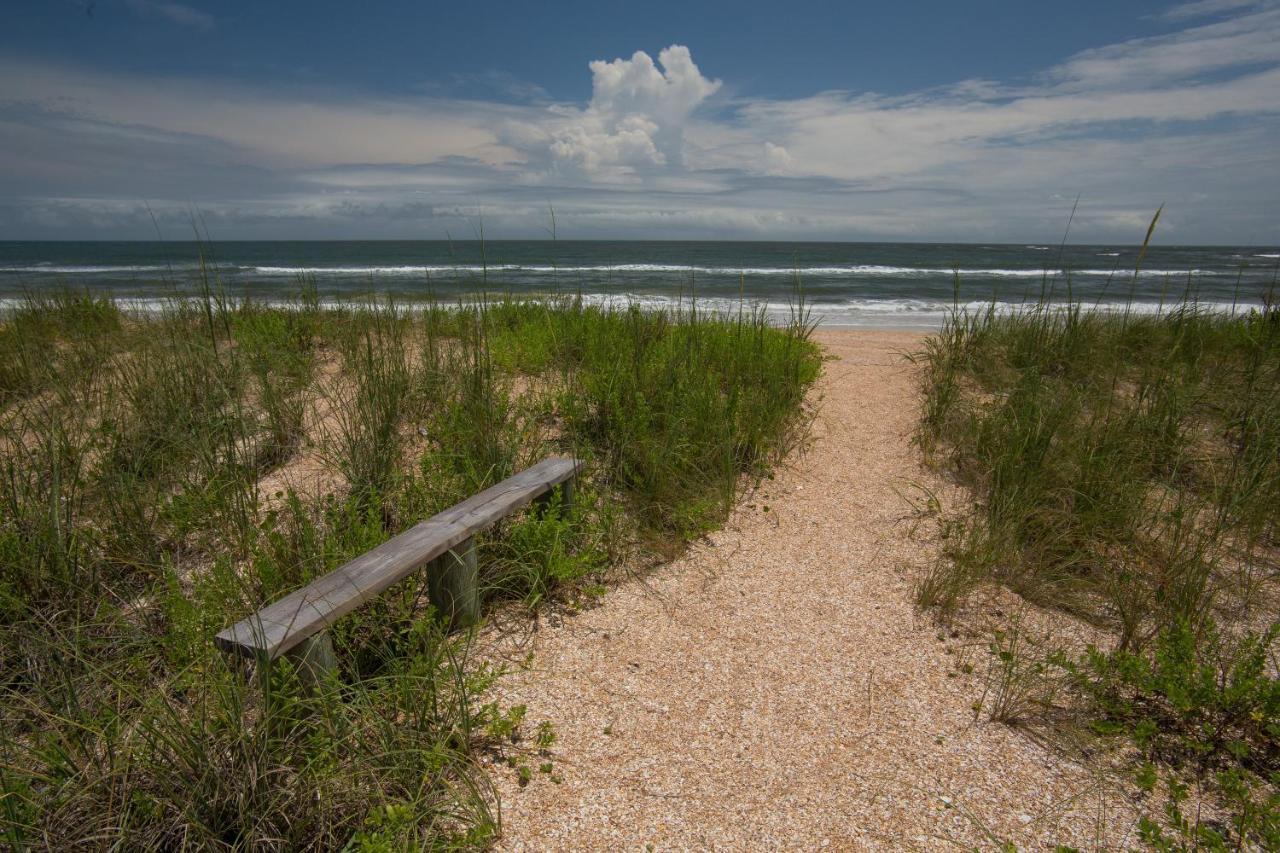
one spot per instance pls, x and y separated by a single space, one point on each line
567 489
314 660
566 496
453 585
544 500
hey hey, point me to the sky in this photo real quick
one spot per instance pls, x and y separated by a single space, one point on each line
982 121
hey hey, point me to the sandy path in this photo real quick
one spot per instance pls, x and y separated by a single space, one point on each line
774 687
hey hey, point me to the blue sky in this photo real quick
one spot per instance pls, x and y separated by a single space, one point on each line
820 120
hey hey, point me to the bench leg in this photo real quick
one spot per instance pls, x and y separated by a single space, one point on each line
314 659
566 497
453 585
541 502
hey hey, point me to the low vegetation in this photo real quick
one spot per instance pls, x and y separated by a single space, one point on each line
1125 471
166 473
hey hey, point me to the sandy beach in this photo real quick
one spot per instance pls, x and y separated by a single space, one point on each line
774 687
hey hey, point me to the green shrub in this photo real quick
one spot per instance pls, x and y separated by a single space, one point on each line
1197 697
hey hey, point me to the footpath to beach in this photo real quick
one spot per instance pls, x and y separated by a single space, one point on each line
774 688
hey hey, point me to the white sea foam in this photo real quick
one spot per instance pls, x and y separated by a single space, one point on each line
1273 257
878 313
432 270
924 314
396 270
1126 273
833 271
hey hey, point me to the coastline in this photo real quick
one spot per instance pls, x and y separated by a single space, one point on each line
855 285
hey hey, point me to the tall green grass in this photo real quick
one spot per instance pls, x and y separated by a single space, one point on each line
134 524
54 338
675 406
1122 463
1125 468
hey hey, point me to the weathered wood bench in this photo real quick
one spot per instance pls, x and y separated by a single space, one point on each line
295 625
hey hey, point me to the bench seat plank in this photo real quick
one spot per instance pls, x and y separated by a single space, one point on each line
279 627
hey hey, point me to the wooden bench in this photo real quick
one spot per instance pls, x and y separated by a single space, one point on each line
295 625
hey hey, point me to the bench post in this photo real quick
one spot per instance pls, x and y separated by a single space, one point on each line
541 502
314 660
566 496
453 585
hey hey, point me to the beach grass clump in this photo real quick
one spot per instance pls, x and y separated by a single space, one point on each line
204 759
676 407
1125 469
280 355
372 399
1125 466
53 337
167 472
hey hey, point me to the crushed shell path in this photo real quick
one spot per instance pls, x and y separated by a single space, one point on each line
775 689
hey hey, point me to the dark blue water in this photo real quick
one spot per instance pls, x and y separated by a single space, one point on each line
896 284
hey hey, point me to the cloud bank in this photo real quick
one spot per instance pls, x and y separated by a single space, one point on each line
662 150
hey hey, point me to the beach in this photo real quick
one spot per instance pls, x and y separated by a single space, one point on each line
775 687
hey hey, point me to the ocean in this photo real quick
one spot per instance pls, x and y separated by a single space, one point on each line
906 285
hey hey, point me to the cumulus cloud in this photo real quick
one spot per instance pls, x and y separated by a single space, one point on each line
637 114
637 86
593 143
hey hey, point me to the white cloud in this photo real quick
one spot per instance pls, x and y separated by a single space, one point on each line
1237 42
637 113
593 143
839 136
175 13
272 125
777 160
636 86
962 137
1203 8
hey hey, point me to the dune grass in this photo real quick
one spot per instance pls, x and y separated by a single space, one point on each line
143 508
1125 469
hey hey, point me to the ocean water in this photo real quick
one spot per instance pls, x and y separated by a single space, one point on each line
910 285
